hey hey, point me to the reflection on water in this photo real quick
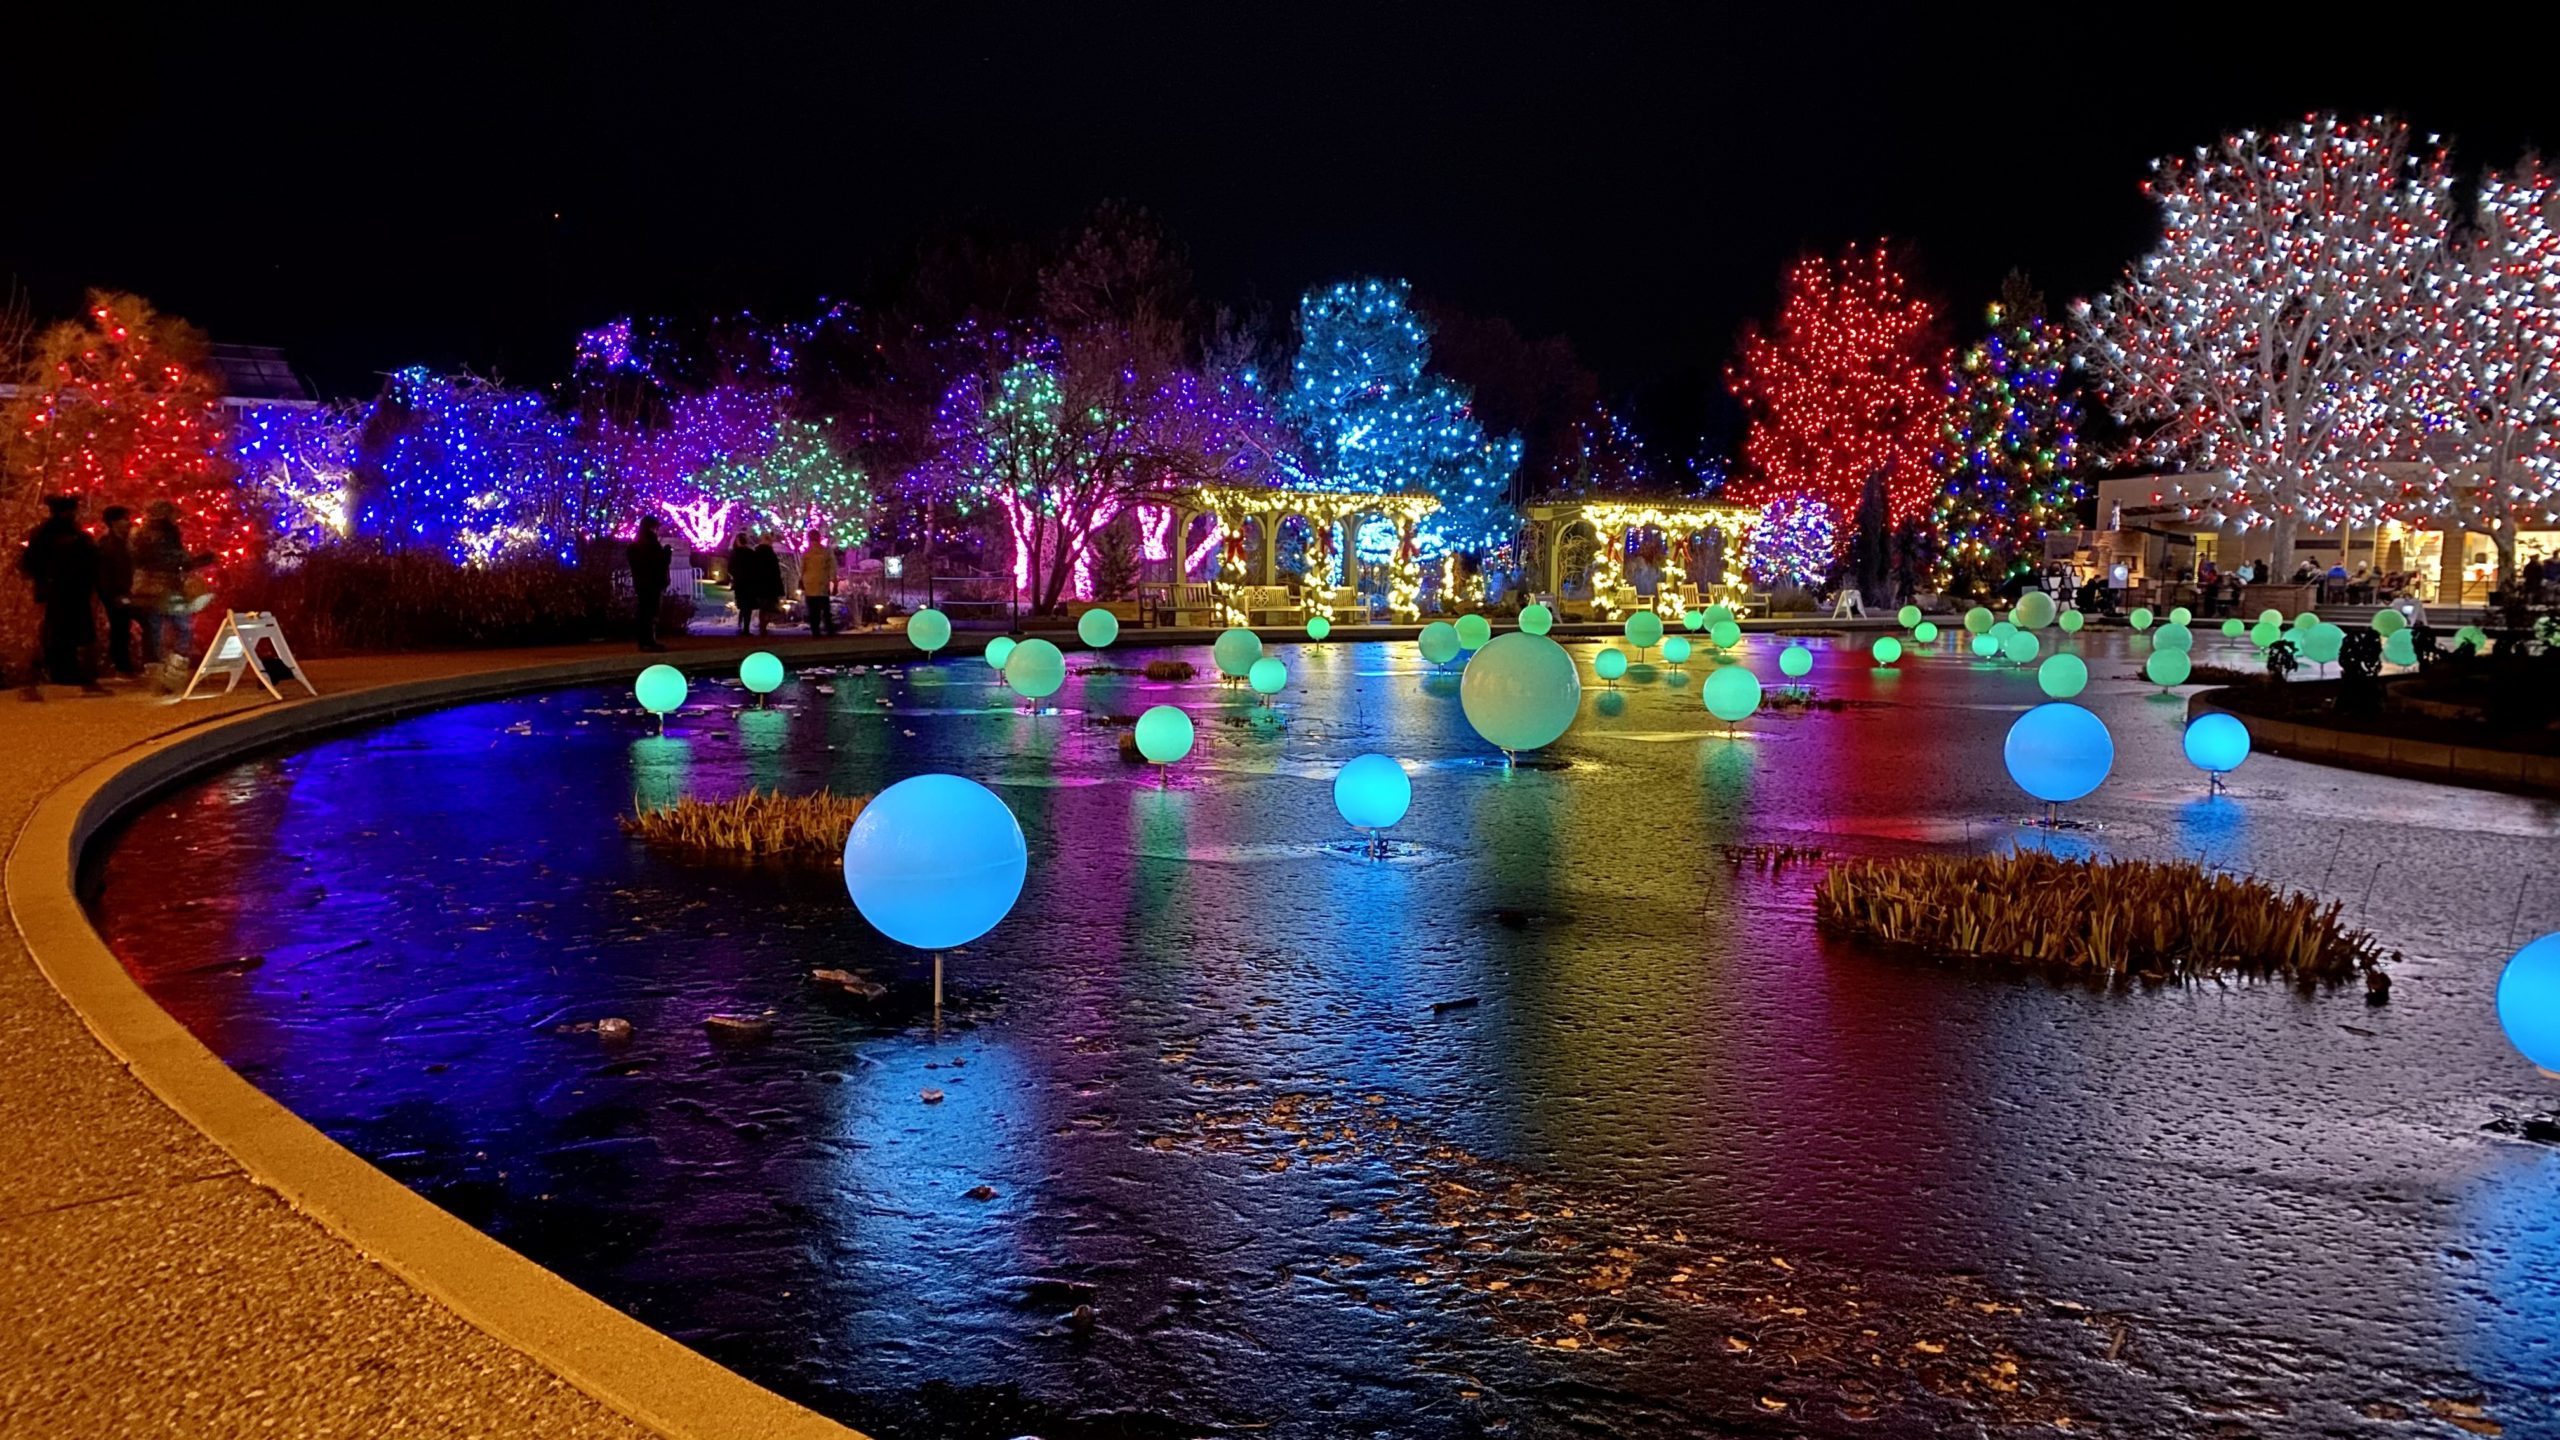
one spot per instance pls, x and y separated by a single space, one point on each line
1506 1134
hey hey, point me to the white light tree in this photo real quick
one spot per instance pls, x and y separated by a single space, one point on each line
2476 393
2247 343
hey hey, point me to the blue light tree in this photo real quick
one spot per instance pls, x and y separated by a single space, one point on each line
1375 420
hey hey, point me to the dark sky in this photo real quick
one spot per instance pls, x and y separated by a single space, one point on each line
370 192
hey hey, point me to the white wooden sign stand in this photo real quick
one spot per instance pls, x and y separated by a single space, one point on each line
235 650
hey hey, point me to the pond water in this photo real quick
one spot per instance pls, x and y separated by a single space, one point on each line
1558 1121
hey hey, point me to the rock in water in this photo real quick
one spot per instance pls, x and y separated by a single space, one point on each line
738 1029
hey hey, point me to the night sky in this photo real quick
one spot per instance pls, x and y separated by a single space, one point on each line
370 192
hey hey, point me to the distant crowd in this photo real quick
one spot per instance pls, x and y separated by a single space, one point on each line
140 581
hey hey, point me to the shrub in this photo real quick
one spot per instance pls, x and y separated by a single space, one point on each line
354 597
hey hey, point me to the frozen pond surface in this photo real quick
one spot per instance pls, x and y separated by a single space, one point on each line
1684 1167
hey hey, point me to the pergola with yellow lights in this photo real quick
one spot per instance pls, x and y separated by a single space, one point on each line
1334 517
1680 523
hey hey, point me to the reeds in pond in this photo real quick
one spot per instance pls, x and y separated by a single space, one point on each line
794 829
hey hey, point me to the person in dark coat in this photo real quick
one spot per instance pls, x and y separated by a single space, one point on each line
649 558
61 562
745 589
769 586
115 594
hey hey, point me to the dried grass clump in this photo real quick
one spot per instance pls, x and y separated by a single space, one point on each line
2106 918
1171 670
795 829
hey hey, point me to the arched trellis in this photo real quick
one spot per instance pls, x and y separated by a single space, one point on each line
1333 518
1613 521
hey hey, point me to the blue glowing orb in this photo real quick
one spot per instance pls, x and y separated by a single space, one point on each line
1035 669
2529 1002
929 630
935 861
1439 642
660 689
2058 752
1268 676
1234 651
1537 619
761 672
1164 734
1521 692
2217 743
1372 792
1097 628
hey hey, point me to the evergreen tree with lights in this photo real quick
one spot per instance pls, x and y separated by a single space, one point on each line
2009 455
1374 418
1601 455
2249 345
1793 544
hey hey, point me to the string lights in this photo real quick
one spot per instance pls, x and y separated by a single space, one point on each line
2009 446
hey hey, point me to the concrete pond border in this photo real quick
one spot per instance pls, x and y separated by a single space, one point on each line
2474 767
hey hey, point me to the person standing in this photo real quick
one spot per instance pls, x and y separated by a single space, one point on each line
743 588
768 584
115 594
160 566
650 559
61 562
818 585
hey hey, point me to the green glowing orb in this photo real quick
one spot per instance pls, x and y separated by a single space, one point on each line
1473 631
1795 662
1537 619
2168 667
1439 642
2181 615
1907 616
2390 622
2021 647
1926 632
2141 617
2062 676
660 689
2034 611
1725 634
2320 643
2072 620
2400 648
761 672
1985 644
1717 615
1732 694
2002 630
1611 662
2175 636
1318 627
1268 676
1035 669
1888 650
929 630
1097 628
2473 636
1235 650
1164 734
2234 628
1644 629
999 650
1693 620
2306 619
1977 621
1675 649
1521 692
2266 633
2270 617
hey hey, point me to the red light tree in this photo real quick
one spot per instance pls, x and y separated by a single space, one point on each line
1846 386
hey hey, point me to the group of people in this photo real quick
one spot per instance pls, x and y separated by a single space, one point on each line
755 583
135 576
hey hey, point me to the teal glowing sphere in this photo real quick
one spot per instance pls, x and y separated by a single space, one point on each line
1537 619
2400 647
1907 616
2265 633
2181 615
2216 742
1693 620
2035 610
2001 630
1644 629
1439 642
1675 649
1732 694
2234 628
2072 620
2473 636
2021 648
1725 634
2168 667
761 672
2271 617
1985 644
1926 632
2141 617
1610 663
999 650
660 689
929 630
2062 676
1097 628
1521 692
1164 734
1795 662
2306 619
1717 614
1888 650
1372 792
2175 636
935 861
1268 676
2529 1002
1035 669
1234 651
2321 641
1977 621
1318 627
1473 631
2390 622
2058 752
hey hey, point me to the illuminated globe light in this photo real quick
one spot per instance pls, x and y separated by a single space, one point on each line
2072 620
2271 617
1097 628
2473 636
1795 662
2058 752
1537 619
1610 663
928 630
1268 676
1675 649
2306 619
1644 630
1985 645
1907 616
2234 628
1439 642
1926 632
2022 647
935 861
2168 667
2320 643
1725 634
2034 610
2174 636
2216 743
1372 792
1693 620
1732 694
1035 669
1235 650
2062 675
2141 617
761 672
660 689
1977 620
999 650
1718 614
2529 1003
1474 630
2001 631
2181 615
1164 734
2400 648
2390 622
2265 633
1888 650
1521 692
1318 627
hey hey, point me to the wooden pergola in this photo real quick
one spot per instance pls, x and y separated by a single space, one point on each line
1681 523
1333 516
